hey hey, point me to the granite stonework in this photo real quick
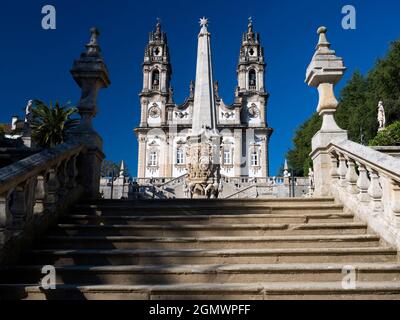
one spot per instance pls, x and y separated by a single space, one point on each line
91 75
364 180
37 190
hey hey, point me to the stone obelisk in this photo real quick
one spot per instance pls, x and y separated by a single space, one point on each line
203 153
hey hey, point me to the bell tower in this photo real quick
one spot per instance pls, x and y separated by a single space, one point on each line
251 62
157 73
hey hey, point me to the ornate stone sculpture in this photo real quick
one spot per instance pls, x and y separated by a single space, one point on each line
203 171
381 116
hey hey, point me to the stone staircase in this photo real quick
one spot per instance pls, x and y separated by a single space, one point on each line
207 249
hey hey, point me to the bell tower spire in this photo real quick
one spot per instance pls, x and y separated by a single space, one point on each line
251 62
156 66
157 71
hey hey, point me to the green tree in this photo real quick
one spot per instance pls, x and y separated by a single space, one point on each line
50 124
109 168
388 137
298 158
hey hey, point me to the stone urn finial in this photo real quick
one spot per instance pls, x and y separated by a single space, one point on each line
324 72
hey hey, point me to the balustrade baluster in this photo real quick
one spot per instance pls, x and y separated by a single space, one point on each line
334 168
52 190
5 214
18 206
40 195
351 176
395 198
375 191
342 171
363 184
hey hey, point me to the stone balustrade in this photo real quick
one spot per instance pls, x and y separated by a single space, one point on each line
367 182
364 180
35 191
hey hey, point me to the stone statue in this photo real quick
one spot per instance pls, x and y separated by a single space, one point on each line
381 116
93 46
28 112
27 131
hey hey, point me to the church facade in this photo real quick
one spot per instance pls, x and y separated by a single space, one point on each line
165 126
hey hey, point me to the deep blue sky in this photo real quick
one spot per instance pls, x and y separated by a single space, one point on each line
35 63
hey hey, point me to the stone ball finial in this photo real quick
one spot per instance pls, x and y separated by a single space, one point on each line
322 30
323 42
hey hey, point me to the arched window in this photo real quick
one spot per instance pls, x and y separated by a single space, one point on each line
252 79
153 159
180 158
155 80
254 159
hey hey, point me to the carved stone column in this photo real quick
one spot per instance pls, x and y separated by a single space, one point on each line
324 71
90 73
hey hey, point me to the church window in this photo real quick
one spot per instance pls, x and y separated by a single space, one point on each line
227 157
157 51
156 80
180 156
254 159
153 161
252 79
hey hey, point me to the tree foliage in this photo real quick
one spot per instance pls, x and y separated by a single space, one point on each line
109 168
357 110
388 137
50 124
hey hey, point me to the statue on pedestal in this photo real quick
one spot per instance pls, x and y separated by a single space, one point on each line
381 116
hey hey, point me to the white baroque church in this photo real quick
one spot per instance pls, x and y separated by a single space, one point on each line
165 126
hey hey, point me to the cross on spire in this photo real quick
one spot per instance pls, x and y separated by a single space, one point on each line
204 22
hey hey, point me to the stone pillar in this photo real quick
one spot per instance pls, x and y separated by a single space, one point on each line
143 115
323 73
142 156
238 152
91 74
264 157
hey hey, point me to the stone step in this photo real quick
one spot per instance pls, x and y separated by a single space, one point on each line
206 219
204 256
205 291
131 242
207 203
193 210
214 229
181 274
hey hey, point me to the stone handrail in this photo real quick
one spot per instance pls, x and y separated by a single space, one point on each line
174 181
35 191
367 182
